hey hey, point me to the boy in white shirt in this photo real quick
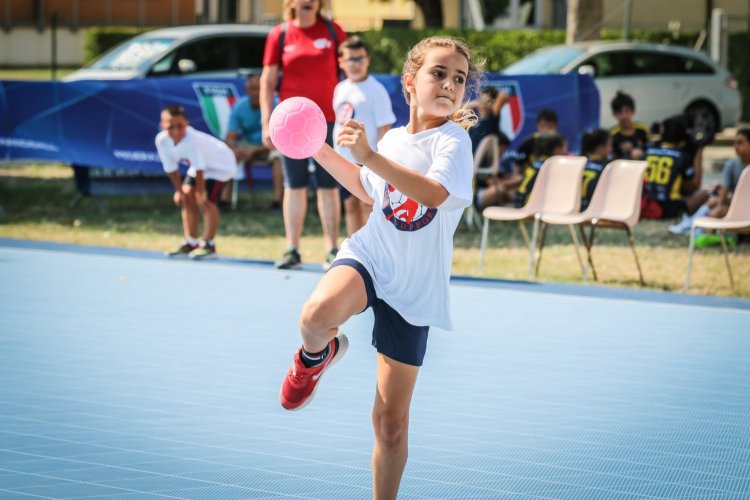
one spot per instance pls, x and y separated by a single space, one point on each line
210 163
360 97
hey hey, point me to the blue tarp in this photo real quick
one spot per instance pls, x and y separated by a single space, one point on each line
112 124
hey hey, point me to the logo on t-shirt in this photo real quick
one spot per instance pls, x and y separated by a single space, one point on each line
322 43
344 111
405 213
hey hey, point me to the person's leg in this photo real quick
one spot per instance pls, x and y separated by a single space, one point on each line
343 292
211 211
296 179
329 201
390 421
277 179
329 209
189 212
294 209
340 294
695 200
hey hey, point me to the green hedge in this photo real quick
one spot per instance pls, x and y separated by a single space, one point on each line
497 48
99 40
739 66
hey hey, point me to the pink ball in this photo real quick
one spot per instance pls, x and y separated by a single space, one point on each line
298 127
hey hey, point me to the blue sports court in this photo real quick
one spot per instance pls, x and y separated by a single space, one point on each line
127 376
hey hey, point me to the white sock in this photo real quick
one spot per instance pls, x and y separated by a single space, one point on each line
702 211
190 240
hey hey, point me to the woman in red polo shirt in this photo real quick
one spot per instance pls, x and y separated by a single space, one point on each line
304 48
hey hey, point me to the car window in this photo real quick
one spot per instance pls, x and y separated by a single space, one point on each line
208 54
250 51
654 63
610 63
133 54
545 61
695 66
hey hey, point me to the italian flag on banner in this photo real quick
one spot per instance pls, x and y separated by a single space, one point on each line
216 100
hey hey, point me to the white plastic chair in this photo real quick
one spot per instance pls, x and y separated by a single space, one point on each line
737 220
487 153
557 190
616 203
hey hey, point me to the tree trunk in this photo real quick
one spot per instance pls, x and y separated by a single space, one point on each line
584 18
432 10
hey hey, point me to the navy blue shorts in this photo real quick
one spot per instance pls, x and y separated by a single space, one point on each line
297 174
392 336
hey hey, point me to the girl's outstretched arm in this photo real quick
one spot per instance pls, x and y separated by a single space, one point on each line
344 171
425 191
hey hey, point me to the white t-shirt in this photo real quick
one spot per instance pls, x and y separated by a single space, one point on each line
197 151
366 101
406 247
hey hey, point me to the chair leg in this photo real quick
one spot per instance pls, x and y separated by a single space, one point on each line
524 233
587 247
726 258
631 241
483 244
590 246
542 238
584 271
691 247
532 245
235 193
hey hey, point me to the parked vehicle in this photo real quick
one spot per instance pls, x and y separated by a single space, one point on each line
663 80
203 50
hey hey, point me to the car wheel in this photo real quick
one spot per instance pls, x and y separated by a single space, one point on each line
705 121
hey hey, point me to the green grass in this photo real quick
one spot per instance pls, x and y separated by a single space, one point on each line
35 205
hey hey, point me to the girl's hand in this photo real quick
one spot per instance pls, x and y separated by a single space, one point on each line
352 136
177 198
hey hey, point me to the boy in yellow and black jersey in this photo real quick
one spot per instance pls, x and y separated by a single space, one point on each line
672 179
629 137
596 146
546 145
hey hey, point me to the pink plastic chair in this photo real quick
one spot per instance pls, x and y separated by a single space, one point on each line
736 220
616 203
557 190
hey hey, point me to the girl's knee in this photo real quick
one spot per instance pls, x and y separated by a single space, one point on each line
391 428
315 315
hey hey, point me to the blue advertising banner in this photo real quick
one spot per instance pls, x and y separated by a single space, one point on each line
112 124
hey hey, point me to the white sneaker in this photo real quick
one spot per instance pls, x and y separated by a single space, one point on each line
683 227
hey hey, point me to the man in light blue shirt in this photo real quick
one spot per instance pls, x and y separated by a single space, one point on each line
244 136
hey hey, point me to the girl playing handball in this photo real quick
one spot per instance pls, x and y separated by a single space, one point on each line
399 263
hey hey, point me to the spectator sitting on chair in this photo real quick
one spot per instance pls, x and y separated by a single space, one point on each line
629 138
596 146
210 163
502 189
674 174
547 145
245 137
488 108
721 196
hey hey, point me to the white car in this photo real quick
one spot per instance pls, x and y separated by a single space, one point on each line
202 50
663 80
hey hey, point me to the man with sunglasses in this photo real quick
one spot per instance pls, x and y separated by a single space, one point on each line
208 163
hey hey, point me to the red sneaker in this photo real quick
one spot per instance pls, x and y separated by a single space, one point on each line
301 382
